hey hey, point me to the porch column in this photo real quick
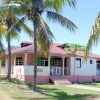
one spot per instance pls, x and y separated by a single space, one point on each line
72 59
25 59
14 60
49 61
63 65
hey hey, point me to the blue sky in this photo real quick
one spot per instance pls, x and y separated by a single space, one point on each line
83 16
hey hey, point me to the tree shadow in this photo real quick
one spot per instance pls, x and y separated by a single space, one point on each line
61 96
57 94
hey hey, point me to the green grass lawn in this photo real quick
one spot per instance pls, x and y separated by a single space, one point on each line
45 92
97 85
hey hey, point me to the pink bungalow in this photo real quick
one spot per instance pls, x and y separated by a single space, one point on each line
59 66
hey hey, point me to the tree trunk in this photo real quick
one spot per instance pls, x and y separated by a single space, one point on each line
35 59
9 60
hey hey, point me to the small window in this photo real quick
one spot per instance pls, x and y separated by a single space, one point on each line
91 61
44 62
78 63
19 61
3 63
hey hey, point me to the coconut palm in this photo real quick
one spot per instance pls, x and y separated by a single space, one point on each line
94 36
43 36
13 26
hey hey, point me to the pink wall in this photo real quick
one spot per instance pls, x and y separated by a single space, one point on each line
83 79
46 79
40 79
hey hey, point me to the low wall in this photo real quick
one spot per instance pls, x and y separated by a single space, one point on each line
18 72
40 79
41 70
3 71
27 74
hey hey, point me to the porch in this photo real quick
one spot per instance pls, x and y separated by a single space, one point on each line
56 65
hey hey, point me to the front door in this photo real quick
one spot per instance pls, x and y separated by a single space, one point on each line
56 69
98 68
57 63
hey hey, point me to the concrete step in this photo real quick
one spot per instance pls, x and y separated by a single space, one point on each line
61 80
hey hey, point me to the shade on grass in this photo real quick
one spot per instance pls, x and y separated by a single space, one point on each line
47 92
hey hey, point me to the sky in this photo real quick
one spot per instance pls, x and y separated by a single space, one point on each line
83 16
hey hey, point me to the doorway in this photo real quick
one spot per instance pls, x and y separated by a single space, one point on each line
98 69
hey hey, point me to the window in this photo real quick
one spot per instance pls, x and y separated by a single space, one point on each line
98 66
91 61
44 62
19 61
78 63
57 63
3 63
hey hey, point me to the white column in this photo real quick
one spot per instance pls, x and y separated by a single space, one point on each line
72 65
25 59
14 60
63 65
48 61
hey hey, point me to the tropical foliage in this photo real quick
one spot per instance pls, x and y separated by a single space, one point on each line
12 26
94 36
34 9
72 48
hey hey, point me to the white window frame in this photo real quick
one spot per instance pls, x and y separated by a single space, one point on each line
57 63
44 62
78 63
19 61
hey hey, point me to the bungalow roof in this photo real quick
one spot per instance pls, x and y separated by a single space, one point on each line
54 49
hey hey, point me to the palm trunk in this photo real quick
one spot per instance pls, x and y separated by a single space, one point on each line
9 60
35 59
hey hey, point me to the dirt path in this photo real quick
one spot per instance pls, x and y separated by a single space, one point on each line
5 96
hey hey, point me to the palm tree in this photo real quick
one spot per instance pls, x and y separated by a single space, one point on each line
42 33
94 36
13 26
43 36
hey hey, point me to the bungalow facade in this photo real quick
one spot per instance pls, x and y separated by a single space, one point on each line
59 63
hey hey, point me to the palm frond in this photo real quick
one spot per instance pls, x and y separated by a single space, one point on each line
21 24
5 2
13 35
93 40
62 20
3 30
94 36
58 4
2 50
44 34
15 8
16 25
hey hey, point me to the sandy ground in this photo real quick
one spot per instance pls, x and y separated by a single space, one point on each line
4 96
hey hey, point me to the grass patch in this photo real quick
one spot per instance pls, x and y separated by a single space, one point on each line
97 85
18 91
